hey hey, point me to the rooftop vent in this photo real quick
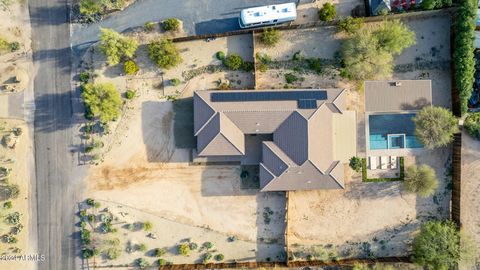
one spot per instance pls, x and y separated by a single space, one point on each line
397 84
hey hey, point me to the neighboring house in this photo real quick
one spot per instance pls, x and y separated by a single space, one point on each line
389 109
301 139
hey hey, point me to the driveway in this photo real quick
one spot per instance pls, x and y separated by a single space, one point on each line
198 16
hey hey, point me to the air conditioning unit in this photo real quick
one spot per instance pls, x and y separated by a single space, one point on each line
397 84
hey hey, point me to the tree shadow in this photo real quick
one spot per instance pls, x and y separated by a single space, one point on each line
217 26
53 112
52 15
416 105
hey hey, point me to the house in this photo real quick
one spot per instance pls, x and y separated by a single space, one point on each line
301 139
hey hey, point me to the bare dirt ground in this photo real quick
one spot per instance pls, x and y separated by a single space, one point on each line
15 66
365 219
470 202
308 10
16 160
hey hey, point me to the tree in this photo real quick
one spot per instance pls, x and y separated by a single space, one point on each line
171 24
368 53
394 36
183 249
350 25
472 124
90 8
164 53
421 180
435 127
233 61
440 246
327 13
102 100
270 36
115 46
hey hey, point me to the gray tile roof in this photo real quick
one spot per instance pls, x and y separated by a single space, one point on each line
399 95
301 153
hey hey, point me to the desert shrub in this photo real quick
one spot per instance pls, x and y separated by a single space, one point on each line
193 246
327 13
149 26
90 7
356 164
10 191
350 25
84 76
315 64
270 36
439 245
207 257
208 245
14 46
13 218
90 202
87 253
102 100
263 58
183 249
175 82
421 180
142 263
435 127
463 54
147 226
233 61
164 53
116 46
161 262
7 205
130 67
130 94
219 257
9 238
472 124
435 4
220 55
113 253
171 24
142 247
291 78
368 53
159 252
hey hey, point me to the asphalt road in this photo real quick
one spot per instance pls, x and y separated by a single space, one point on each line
198 16
55 185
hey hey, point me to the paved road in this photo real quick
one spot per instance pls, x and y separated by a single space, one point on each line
198 16
55 185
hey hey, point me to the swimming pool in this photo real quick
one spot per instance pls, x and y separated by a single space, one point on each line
392 131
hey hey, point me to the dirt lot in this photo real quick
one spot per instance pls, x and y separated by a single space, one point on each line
365 219
15 64
470 202
17 161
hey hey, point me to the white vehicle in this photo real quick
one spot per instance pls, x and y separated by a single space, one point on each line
267 15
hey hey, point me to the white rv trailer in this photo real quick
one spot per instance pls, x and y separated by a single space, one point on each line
267 15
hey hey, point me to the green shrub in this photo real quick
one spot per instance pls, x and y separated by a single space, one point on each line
193 246
175 82
102 100
149 26
13 218
161 262
291 78
90 7
142 247
10 191
130 94
208 245
171 24
220 55
315 64
270 36
14 46
142 263
472 124
233 61
147 226
435 4
183 249
463 54
164 53
130 67
84 76
116 46
113 253
327 13
87 253
7 205
207 257
247 66
219 257
355 164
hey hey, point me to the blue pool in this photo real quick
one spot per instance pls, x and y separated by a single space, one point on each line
392 131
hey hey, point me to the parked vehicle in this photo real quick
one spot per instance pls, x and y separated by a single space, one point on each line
267 15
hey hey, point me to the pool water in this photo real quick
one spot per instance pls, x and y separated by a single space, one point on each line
392 131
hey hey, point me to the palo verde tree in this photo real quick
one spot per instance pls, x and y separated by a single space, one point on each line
435 127
368 53
164 53
421 180
116 46
270 36
441 246
102 100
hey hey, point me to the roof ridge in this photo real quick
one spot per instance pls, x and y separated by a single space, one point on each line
273 179
209 119
336 98
337 162
221 115
226 138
